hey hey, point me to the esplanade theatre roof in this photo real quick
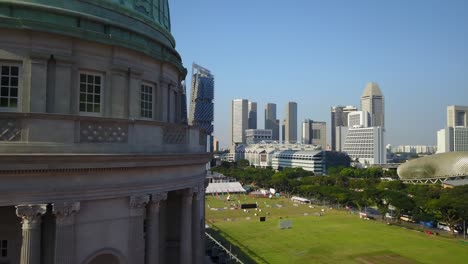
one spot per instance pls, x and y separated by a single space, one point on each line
434 166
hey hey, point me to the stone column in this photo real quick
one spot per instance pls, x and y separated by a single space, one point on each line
162 231
65 231
31 246
136 243
186 227
152 228
197 231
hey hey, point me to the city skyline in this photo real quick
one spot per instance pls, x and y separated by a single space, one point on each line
322 54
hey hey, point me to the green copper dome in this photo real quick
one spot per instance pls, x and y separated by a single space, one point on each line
142 25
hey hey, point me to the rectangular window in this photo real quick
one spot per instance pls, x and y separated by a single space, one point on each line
91 85
3 248
460 118
9 86
316 134
146 101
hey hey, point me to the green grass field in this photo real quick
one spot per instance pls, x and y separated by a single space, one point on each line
335 237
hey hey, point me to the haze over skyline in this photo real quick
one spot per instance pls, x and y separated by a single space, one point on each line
323 53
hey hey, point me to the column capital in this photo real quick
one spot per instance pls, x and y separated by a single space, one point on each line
198 191
31 214
138 204
139 201
159 196
65 212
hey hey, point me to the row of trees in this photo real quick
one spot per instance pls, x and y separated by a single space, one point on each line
362 189
372 172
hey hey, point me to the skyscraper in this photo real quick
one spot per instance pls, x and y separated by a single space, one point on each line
270 120
252 115
339 118
372 101
457 116
201 99
283 131
314 132
455 136
291 122
239 120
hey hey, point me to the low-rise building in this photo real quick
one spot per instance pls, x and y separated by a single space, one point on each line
254 136
309 160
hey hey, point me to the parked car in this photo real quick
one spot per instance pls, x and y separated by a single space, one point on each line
407 218
444 226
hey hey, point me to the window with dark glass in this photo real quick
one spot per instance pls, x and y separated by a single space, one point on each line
90 93
460 118
146 101
4 248
9 86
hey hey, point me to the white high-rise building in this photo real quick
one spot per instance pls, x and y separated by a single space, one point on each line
366 145
239 120
455 136
358 119
291 122
444 140
372 101
452 139
339 117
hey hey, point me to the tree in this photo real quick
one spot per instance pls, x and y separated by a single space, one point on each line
400 200
243 163
452 206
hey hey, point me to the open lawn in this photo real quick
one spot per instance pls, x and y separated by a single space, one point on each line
336 237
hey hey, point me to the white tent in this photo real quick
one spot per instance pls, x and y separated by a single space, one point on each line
225 187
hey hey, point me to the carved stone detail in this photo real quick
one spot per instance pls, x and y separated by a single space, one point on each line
10 130
157 197
140 201
175 134
31 215
65 212
98 132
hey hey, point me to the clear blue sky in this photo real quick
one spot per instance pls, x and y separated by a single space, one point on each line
322 53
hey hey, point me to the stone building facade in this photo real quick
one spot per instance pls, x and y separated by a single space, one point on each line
97 164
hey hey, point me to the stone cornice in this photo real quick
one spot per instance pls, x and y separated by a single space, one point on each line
100 192
30 163
86 118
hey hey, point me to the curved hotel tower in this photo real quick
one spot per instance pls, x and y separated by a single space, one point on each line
365 134
372 101
96 163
